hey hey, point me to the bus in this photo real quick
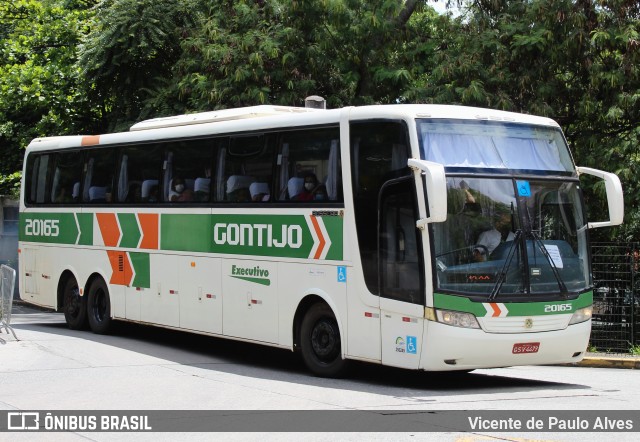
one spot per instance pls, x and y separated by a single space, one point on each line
426 237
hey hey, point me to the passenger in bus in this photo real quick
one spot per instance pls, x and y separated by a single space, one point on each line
311 188
240 195
179 191
153 194
201 188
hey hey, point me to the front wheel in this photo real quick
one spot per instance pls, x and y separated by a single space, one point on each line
75 306
99 307
320 342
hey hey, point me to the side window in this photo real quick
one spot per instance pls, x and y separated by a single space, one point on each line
309 166
98 182
187 170
67 174
379 153
139 176
400 248
248 169
38 171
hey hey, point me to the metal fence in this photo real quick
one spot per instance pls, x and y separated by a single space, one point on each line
616 298
7 282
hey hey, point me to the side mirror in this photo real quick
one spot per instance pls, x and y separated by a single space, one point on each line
615 198
435 182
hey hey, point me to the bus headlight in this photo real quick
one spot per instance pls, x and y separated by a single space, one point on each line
581 315
457 319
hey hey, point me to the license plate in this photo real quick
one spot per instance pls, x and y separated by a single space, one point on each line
526 347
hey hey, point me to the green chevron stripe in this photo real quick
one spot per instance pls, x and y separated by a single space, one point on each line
85 221
142 269
130 230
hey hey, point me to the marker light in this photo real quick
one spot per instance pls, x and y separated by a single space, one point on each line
581 315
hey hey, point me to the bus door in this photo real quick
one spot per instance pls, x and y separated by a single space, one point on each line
401 274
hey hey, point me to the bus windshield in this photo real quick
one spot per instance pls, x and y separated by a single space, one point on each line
493 145
505 236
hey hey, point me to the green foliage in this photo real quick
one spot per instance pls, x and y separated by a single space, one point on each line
10 184
278 52
130 49
38 91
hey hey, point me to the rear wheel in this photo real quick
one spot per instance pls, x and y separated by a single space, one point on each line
75 306
99 307
320 342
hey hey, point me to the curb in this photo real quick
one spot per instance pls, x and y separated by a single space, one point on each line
610 362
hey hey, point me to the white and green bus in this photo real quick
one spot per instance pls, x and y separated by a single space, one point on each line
418 236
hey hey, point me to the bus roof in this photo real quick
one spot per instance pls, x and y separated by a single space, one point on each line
219 115
265 117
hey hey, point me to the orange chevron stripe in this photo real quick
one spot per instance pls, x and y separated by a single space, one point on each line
121 270
496 309
323 242
150 235
109 228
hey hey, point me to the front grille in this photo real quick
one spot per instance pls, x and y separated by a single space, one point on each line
518 324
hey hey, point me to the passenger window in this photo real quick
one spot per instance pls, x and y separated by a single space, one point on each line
99 176
309 166
248 169
187 171
65 186
139 173
38 178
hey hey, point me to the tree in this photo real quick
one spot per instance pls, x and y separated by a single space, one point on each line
252 52
129 50
39 94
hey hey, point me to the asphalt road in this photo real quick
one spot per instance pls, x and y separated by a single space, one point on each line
145 368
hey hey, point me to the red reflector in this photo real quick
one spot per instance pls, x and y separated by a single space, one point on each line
405 319
368 315
254 301
173 292
209 295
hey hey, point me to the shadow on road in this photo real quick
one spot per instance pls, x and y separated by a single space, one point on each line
258 361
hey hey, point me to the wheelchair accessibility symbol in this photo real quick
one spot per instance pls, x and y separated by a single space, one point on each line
342 274
411 344
524 189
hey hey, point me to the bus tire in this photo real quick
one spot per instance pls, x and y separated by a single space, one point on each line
75 306
320 342
99 307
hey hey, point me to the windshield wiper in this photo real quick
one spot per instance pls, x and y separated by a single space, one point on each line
554 269
502 276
